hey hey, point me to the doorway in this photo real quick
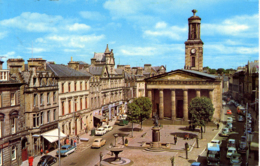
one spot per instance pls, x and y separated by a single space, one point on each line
179 109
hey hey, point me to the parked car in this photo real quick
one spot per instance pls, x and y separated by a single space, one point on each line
248 125
224 103
240 118
231 151
229 126
216 141
225 132
240 110
98 143
107 128
229 120
100 131
243 145
231 143
47 160
66 150
229 112
236 159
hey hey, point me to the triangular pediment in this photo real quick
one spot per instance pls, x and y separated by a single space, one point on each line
182 75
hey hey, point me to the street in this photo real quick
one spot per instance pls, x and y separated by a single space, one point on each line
84 155
236 134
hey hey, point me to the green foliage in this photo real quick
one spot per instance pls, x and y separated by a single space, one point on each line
133 113
145 105
220 70
202 110
212 71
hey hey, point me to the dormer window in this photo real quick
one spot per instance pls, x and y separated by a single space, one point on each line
34 81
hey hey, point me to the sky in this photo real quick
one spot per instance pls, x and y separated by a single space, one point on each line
139 31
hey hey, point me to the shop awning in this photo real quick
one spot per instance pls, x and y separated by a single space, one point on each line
99 117
52 135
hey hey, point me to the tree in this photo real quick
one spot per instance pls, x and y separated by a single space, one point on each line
145 105
133 114
220 70
202 110
212 71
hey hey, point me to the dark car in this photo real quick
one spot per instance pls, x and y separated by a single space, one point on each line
47 160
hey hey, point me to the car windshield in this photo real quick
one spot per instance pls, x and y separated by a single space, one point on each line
63 148
96 141
230 151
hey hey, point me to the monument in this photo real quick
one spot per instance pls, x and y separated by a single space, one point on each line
156 133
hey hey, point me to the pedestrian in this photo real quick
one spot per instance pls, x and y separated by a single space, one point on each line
71 142
75 143
217 126
41 151
175 139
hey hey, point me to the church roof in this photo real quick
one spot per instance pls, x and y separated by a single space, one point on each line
96 70
201 73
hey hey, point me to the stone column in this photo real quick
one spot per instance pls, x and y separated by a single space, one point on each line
150 97
161 106
173 105
185 104
197 92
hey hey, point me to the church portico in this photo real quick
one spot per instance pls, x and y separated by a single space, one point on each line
171 97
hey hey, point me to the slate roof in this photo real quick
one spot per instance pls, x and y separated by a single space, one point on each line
119 71
201 73
100 57
82 63
65 71
96 70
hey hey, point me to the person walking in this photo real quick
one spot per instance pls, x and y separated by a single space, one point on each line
41 151
175 139
75 142
217 126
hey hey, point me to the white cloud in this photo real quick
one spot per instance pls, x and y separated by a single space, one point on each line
33 22
36 50
160 25
70 50
244 26
74 41
9 54
78 27
162 30
92 15
233 50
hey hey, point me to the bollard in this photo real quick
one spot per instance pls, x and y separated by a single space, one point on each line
197 140
187 149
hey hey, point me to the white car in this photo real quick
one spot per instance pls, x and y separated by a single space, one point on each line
216 141
229 120
100 131
108 128
231 151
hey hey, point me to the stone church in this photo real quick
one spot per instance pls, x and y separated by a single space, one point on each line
172 92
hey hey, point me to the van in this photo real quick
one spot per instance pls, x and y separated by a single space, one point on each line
240 110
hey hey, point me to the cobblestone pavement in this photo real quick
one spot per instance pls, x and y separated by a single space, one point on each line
141 157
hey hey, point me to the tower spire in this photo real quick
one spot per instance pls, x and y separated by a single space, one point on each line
107 49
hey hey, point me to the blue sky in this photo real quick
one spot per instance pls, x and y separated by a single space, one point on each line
139 31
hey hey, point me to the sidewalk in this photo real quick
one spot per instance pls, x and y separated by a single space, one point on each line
141 157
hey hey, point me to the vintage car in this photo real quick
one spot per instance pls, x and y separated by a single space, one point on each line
231 151
107 128
100 131
229 112
98 143
240 118
47 160
65 150
231 143
236 159
216 141
225 132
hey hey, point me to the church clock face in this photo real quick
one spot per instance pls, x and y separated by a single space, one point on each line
193 51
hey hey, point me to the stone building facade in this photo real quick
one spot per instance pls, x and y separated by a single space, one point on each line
39 103
75 115
10 119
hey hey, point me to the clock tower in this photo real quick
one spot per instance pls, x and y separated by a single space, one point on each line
194 45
